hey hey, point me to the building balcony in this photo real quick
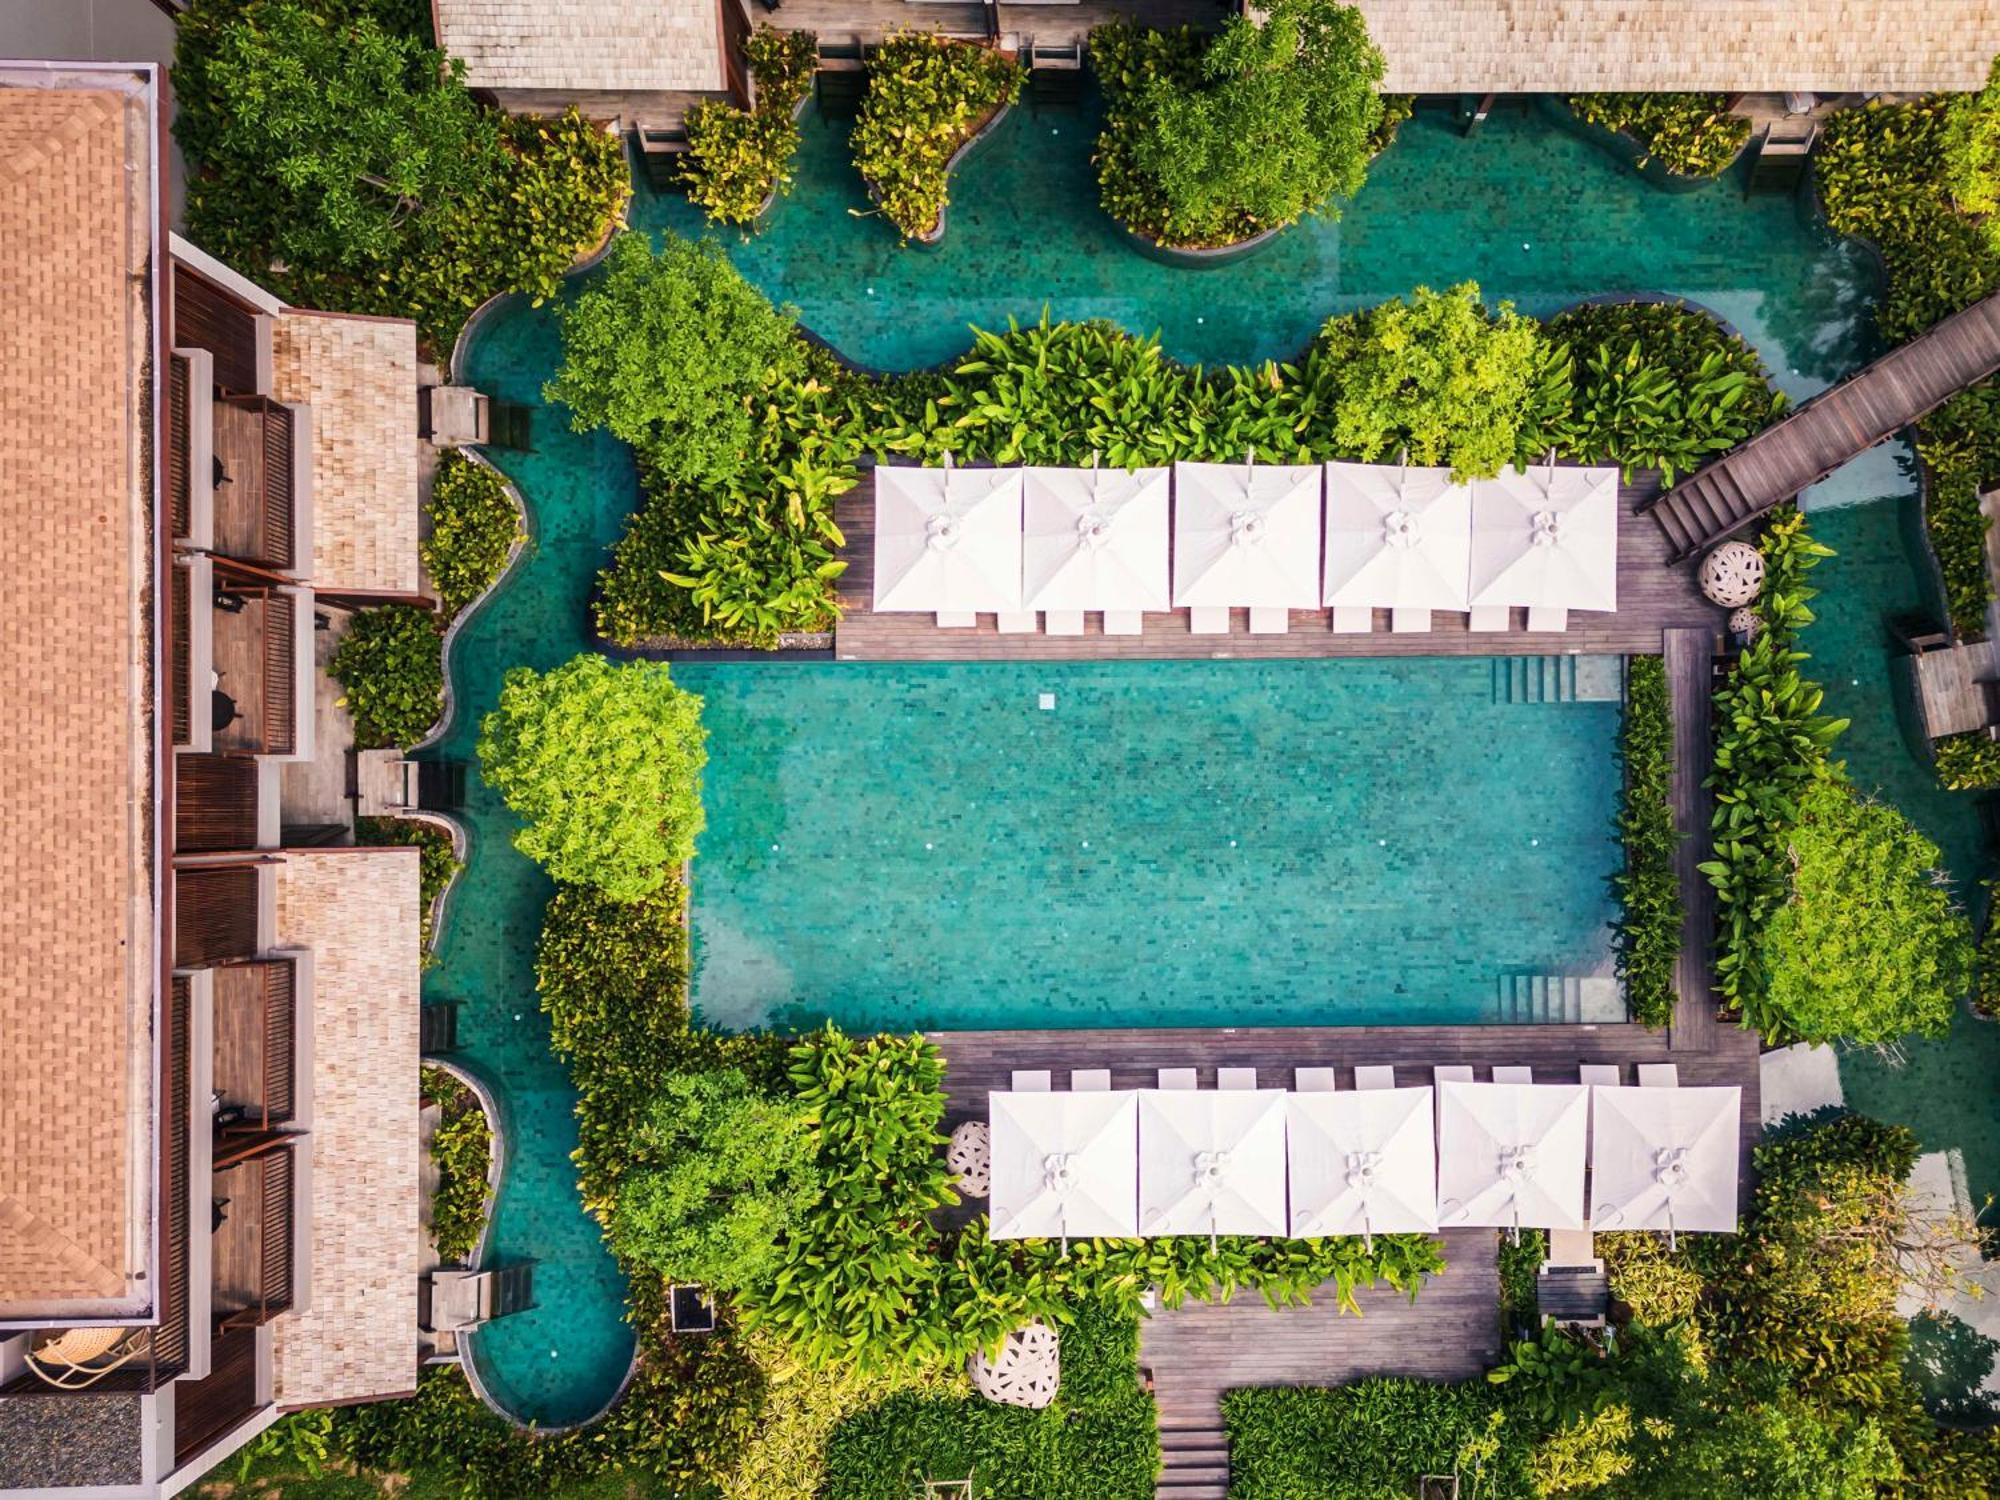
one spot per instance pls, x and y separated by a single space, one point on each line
256 1045
251 1216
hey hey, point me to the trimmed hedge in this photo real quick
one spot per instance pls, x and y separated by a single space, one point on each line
390 667
1691 135
1649 924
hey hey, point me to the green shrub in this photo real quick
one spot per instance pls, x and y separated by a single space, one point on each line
669 352
1658 385
1207 141
438 864
926 96
461 1152
1097 1438
1649 893
1971 149
390 666
1370 1441
737 159
1868 945
1692 135
1436 376
475 527
718 1174
1770 751
1883 175
1986 998
1520 1278
342 163
1959 444
603 764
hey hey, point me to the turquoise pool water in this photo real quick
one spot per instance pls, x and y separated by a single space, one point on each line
1167 844
1530 211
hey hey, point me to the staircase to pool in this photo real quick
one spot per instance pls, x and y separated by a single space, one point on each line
1194 1459
1558 679
1563 999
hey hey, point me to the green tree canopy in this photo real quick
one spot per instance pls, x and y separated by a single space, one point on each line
1870 945
604 764
1437 375
319 135
722 1172
1972 148
668 351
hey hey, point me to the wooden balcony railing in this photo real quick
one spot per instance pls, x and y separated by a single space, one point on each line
254 501
256 1052
180 657
170 1339
280 676
215 914
254 1264
180 502
215 804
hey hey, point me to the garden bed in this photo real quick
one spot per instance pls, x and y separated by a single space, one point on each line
981 132
1642 157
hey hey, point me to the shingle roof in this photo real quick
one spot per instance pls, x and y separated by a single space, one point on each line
76 640
359 376
585 44
357 909
1564 46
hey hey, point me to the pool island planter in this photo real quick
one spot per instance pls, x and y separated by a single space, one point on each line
981 133
1201 257
1630 150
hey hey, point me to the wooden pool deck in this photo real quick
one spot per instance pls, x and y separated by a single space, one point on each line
1654 596
1690 662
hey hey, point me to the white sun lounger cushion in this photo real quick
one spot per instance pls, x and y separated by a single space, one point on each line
1451 1073
1513 1075
1208 619
1659 1076
1122 622
1177 1078
1269 621
1063 621
1313 1080
1487 618
956 619
1019 622
1352 619
1375 1076
1090 1081
1410 621
1602 1075
1031 1080
1548 620
1236 1078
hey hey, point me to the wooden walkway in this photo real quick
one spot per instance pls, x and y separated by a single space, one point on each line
1653 597
1869 407
1690 659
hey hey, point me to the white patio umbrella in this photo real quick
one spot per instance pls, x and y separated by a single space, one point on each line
1064 1164
1095 539
1511 1154
947 539
1547 539
1362 1162
1246 535
1211 1161
1664 1158
1396 537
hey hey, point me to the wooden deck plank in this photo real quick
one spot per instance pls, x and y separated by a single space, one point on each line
1690 659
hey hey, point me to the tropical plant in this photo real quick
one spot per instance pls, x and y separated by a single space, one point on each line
603 763
1436 377
1558 1375
1583 1455
1971 149
1959 445
718 1174
461 1156
390 667
737 160
1986 998
1209 142
1691 135
475 526
1771 745
438 864
1649 922
1658 1286
1520 1276
669 352
926 97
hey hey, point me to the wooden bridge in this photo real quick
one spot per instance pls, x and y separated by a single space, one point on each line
1848 419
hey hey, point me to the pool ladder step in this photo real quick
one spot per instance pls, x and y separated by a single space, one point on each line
1539 999
1534 679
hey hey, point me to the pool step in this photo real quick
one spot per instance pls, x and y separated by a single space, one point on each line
1593 678
1541 999
1194 1462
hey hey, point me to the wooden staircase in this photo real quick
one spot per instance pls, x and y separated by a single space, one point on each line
1869 407
1194 1459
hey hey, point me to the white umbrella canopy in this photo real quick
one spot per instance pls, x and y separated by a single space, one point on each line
1211 1161
1362 1162
1511 1155
1064 1164
1396 537
1246 536
1547 539
1664 1158
947 539
1095 539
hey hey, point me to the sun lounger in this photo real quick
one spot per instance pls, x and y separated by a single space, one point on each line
1488 618
1063 622
1122 622
1208 620
1352 619
1548 620
1019 622
1375 1077
1312 1080
1270 621
1451 1073
1031 1080
1177 1078
1603 1075
1410 621
1659 1076
956 619
1513 1075
1236 1078
1090 1081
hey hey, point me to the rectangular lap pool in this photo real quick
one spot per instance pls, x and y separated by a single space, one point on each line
1154 843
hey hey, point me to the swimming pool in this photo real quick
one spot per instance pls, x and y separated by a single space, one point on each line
1014 845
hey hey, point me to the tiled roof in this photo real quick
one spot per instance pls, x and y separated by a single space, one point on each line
585 44
76 641
357 909
1565 46
359 376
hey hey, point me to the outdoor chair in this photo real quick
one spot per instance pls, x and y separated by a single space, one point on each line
1090 1081
1019 622
1177 1078
1242 1079
1549 621
1063 622
1375 1077
956 619
1659 1076
1487 618
81 1357
1602 1075
1513 1075
1410 621
1352 619
1312 1080
1122 622
1267 621
1031 1080
1207 619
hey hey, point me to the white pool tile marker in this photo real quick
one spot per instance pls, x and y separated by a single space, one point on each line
1046 702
